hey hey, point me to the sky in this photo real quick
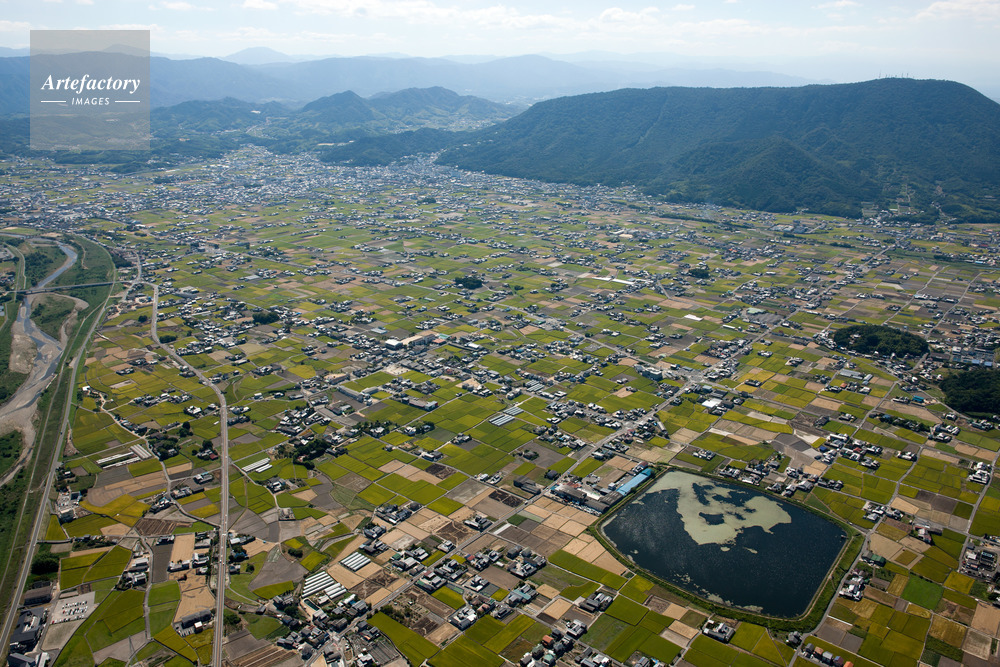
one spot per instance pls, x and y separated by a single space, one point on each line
837 40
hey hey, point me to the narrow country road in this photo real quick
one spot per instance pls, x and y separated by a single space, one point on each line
220 564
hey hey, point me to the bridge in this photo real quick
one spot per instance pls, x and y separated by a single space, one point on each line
53 288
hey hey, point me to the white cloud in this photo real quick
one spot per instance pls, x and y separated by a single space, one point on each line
14 26
980 10
187 36
259 4
682 8
838 9
428 12
838 4
370 8
619 15
250 33
152 27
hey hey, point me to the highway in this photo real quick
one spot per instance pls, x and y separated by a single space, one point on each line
41 513
55 288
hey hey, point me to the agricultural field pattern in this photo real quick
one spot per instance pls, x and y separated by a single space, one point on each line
326 415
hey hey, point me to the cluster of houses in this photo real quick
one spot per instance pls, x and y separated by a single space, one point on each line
980 563
464 618
478 522
823 656
309 635
444 571
595 602
595 499
523 563
754 472
521 595
719 631
548 651
981 473
137 574
876 511
394 514
853 587
194 622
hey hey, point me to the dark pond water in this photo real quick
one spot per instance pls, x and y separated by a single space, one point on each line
727 543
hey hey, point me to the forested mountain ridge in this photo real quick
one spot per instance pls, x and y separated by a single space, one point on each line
825 147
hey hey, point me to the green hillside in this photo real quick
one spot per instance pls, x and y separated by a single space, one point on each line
826 148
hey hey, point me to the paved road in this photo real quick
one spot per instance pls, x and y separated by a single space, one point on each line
223 449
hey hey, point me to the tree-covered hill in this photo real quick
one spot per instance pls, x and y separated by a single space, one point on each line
401 110
203 117
826 148
973 391
875 339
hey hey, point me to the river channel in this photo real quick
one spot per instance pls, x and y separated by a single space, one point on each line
729 544
48 350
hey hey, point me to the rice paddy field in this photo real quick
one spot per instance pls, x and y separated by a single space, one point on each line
363 374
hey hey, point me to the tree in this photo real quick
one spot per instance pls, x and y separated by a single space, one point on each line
45 564
973 391
869 338
265 317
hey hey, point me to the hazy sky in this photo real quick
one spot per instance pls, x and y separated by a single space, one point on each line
837 39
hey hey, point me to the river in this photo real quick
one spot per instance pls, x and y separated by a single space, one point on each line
19 411
48 349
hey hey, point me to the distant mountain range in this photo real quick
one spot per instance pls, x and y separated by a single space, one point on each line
260 55
254 75
210 128
336 118
934 145
388 112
